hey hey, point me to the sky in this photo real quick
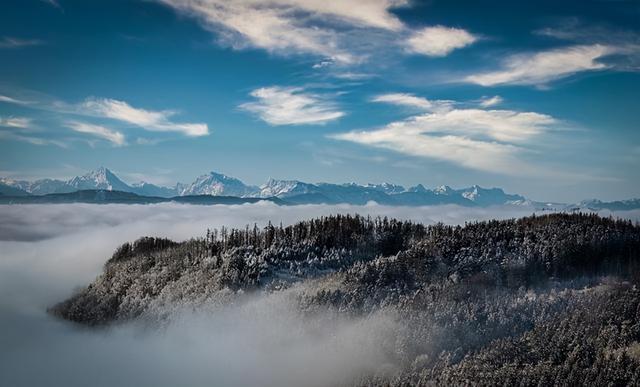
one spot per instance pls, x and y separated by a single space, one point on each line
539 98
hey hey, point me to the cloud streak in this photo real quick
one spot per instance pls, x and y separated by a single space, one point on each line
7 99
546 66
32 140
465 152
491 101
479 139
10 42
410 100
116 138
158 121
16 122
103 108
290 26
291 106
332 30
22 129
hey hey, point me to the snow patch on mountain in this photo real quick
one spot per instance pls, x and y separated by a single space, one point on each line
387 188
218 184
101 178
488 196
286 188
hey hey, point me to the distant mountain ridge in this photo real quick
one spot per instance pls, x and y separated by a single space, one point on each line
99 179
103 196
292 192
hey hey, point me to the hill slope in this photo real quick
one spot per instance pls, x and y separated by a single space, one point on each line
501 302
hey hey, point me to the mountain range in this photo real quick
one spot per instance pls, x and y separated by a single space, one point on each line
289 191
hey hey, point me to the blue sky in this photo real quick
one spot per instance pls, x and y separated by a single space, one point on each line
539 98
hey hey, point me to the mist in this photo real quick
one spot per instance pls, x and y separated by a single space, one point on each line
47 251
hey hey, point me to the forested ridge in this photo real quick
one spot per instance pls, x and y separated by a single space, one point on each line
539 300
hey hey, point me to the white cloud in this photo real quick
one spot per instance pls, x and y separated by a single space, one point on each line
403 99
501 125
31 139
9 42
113 136
158 121
491 101
7 99
485 140
543 67
15 122
22 129
291 26
439 40
291 106
154 121
353 76
473 154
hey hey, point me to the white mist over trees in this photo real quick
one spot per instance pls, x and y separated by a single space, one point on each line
47 251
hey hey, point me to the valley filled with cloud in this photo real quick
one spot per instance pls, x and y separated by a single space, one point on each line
49 251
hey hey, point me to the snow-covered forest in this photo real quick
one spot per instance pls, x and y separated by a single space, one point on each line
537 300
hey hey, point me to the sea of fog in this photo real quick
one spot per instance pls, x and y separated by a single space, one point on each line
47 251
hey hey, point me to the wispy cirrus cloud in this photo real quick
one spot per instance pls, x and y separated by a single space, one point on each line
473 154
438 41
543 67
15 122
115 137
53 3
341 32
32 140
24 129
291 106
625 42
6 99
410 100
478 139
106 108
491 101
159 121
11 42
291 26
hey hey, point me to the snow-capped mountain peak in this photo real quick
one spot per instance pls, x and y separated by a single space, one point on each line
488 196
387 188
285 188
444 190
471 193
218 184
418 188
299 192
101 178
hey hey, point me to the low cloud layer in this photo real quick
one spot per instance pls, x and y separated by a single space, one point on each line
48 250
